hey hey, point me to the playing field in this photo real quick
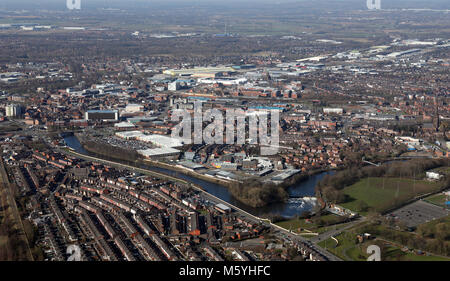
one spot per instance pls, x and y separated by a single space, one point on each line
380 194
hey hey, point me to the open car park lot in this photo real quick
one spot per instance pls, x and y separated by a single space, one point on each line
419 212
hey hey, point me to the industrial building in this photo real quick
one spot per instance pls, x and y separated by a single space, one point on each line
199 71
159 152
102 115
158 140
333 110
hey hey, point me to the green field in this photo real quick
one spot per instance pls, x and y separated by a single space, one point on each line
349 250
380 194
346 249
318 225
437 199
392 253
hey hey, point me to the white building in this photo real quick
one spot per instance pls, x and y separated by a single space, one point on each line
174 86
13 110
224 81
433 175
133 108
333 110
158 140
408 140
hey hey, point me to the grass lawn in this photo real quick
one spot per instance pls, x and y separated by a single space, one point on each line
349 250
299 225
346 249
295 224
393 253
380 194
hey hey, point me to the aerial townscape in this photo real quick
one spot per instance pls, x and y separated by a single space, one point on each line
92 167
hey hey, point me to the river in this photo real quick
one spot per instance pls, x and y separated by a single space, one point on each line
294 206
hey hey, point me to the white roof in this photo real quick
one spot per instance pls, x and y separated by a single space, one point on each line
223 207
159 140
124 125
129 134
158 151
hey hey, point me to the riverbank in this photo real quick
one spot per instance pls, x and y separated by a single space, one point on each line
253 192
293 207
187 172
262 195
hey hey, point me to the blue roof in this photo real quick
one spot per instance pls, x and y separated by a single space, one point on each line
102 111
267 107
198 98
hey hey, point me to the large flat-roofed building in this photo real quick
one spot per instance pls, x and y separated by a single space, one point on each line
191 165
162 141
227 81
102 115
333 110
222 208
284 175
158 140
130 135
165 145
167 152
199 71
132 108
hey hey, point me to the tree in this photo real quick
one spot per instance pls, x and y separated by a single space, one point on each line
362 206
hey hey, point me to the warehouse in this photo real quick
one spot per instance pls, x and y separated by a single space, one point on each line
199 71
191 165
161 141
223 208
284 176
160 152
158 140
102 115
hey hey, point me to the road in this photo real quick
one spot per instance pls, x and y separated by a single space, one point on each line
337 231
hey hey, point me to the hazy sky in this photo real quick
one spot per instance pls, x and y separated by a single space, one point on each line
133 4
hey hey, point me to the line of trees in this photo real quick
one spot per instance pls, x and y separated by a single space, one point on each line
430 238
410 169
257 194
111 151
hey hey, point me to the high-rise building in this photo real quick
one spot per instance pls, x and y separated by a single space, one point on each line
13 110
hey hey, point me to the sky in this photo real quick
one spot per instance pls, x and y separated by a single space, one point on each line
141 4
